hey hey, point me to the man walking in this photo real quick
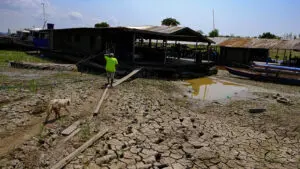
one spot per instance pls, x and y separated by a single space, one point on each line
110 67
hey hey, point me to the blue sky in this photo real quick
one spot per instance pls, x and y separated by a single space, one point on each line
238 17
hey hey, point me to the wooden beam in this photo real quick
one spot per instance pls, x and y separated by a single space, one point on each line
114 84
100 102
133 47
71 128
127 76
67 159
166 45
70 136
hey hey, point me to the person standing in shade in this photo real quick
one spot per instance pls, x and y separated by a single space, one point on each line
110 67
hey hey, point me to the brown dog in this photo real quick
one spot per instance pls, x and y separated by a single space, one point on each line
55 105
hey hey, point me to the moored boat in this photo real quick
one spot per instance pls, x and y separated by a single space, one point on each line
276 77
275 68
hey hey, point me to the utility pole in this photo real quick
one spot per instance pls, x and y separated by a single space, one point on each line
214 20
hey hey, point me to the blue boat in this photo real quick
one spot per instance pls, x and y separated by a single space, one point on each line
276 77
277 67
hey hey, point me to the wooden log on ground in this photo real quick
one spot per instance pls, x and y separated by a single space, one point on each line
71 128
100 102
127 76
44 66
71 135
115 84
67 159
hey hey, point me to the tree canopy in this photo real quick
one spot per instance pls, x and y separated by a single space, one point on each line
214 33
101 25
170 22
268 35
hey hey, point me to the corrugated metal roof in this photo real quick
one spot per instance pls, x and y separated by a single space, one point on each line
261 43
172 30
160 29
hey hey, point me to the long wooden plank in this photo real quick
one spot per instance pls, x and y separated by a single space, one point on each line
70 129
71 135
100 102
127 76
115 84
67 159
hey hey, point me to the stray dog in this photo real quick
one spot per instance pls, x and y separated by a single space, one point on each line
55 105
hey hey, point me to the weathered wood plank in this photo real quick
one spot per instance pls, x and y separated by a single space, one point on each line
115 84
127 76
100 102
71 135
67 159
71 128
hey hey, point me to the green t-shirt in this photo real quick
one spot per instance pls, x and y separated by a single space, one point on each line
111 63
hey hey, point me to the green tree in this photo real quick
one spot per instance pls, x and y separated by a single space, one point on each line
214 33
268 35
170 22
102 25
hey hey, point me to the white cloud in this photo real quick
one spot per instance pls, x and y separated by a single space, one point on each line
75 15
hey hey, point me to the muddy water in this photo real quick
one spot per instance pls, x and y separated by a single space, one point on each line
214 89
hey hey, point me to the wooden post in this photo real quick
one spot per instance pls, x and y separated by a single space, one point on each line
133 47
290 57
196 51
156 43
284 57
208 52
150 43
165 45
277 56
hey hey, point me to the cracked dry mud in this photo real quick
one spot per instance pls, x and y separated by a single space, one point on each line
151 125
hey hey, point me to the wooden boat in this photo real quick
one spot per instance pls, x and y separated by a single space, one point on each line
277 77
278 67
275 68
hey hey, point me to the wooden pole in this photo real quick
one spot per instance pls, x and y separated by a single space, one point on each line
284 57
290 57
165 42
196 51
133 47
150 43
100 102
67 159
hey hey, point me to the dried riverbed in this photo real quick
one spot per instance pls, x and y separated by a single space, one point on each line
152 124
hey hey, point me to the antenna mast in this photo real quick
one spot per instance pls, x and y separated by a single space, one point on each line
214 20
44 15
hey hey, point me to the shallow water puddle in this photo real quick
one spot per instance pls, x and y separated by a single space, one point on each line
214 89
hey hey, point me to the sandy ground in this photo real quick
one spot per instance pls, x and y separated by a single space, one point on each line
151 122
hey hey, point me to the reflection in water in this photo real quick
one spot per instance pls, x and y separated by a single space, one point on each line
211 89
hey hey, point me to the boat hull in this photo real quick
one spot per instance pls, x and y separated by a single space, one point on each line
262 76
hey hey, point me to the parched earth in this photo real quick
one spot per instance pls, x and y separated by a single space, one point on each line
151 124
